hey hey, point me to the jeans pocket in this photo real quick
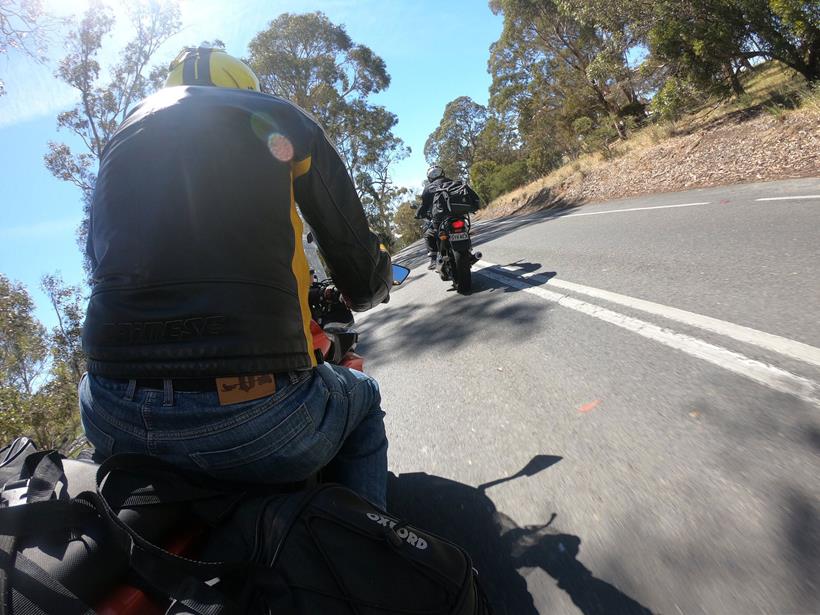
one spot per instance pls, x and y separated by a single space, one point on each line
264 445
102 442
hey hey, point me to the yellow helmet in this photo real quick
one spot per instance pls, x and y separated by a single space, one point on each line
208 66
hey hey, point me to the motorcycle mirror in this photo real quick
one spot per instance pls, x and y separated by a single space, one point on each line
538 463
533 467
399 274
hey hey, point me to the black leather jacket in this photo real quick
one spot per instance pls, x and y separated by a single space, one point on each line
196 244
425 209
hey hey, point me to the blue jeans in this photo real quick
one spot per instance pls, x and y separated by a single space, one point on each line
329 417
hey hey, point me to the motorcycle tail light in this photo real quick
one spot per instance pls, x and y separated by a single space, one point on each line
457 224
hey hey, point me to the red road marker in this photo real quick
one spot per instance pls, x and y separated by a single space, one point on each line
590 406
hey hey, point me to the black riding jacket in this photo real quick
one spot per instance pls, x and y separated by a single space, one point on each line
425 209
196 244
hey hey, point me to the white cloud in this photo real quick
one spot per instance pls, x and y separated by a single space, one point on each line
40 230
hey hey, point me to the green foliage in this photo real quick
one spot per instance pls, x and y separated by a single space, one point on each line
559 62
106 97
674 99
406 227
65 339
784 30
23 345
454 143
491 179
708 42
313 62
39 372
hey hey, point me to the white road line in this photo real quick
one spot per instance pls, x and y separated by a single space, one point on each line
790 198
775 343
618 211
762 373
558 216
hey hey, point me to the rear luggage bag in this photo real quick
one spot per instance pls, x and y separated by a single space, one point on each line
455 197
56 550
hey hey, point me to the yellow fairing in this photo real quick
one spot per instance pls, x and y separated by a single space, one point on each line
299 264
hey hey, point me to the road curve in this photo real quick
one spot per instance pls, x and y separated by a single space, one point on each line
623 417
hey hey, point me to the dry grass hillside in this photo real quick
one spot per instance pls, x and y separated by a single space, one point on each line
757 137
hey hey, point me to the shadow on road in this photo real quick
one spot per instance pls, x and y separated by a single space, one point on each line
453 322
498 547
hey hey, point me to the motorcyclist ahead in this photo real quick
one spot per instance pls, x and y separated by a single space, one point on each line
434 208
198 326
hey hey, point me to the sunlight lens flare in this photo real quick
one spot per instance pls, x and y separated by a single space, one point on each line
281 147
265 127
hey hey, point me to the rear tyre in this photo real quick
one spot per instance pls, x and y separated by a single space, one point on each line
462 275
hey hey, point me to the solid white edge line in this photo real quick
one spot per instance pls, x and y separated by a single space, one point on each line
768 341
790 198
589 213
762 373
618 211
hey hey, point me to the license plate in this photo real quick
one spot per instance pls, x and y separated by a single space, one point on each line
459 236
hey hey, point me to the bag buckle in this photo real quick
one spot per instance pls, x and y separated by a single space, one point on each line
14 493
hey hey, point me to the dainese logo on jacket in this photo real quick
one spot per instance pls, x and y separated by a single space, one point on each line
142 332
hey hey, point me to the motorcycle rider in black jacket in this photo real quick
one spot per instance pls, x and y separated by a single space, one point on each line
198 326
429 210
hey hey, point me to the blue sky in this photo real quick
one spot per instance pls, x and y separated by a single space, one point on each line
39 214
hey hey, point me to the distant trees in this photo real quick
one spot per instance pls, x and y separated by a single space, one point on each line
406 228
455 142
39 369
575 76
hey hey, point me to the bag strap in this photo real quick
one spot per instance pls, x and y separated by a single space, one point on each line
45 469
7 549
175 576
157 572
42 591
182 487
178 577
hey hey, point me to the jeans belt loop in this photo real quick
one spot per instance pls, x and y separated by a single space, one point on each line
168 392
132 387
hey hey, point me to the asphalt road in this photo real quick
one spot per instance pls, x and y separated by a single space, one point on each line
624 416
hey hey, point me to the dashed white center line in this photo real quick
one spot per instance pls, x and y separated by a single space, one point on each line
790 198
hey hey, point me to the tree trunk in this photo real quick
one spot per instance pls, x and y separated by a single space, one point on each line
812 72
734 80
